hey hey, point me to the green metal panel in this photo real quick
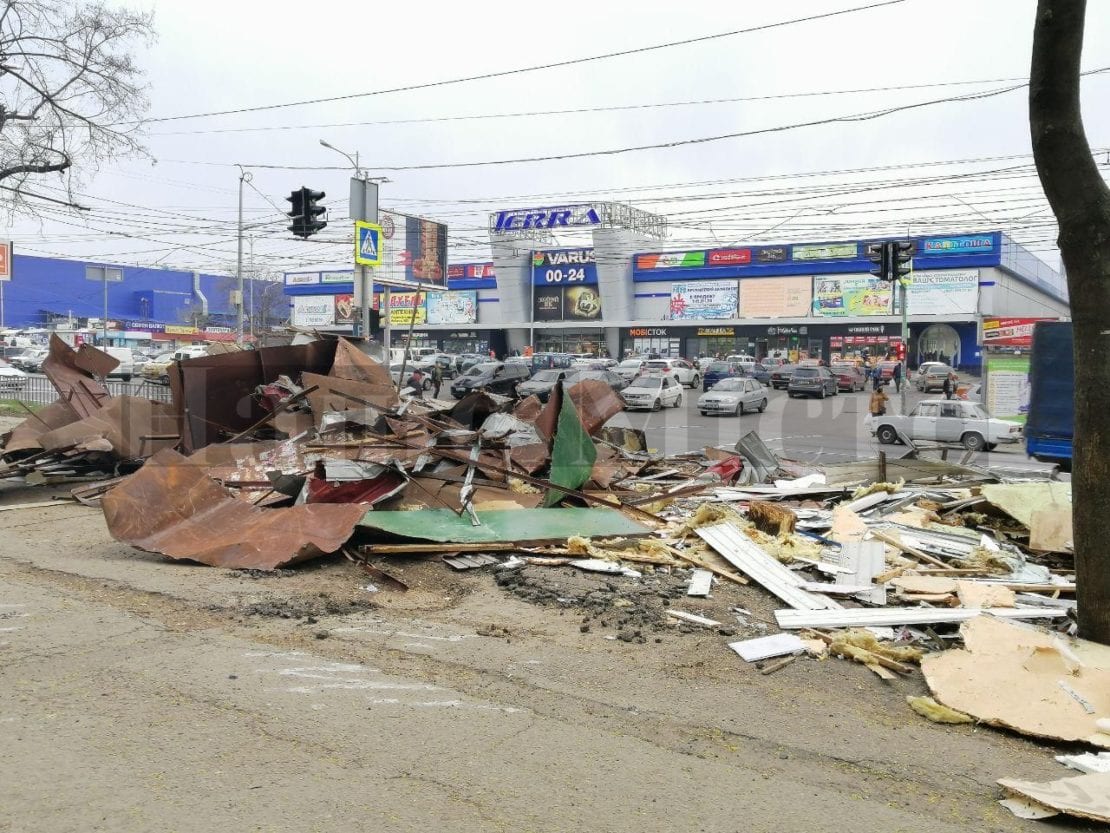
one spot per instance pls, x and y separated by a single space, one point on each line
572 455
503 525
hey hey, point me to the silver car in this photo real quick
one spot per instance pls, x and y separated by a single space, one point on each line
734 395
948 421
652 392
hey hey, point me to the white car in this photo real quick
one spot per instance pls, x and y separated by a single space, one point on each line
948 421
629 369
652 393
734 395
678 369
11 378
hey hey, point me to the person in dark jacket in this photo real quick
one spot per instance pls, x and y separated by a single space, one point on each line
947 387
897 376
437 379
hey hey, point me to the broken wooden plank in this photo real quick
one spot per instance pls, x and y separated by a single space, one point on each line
701 582
694 619
846 618
38 504
916 553
766 647
748 557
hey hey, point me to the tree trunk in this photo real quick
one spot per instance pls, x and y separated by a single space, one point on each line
1081 202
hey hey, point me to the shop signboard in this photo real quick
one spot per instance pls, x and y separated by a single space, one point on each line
1009 332
671 260
456 307
850 296
180 330
566 303
825 251
401 307
412 249
311 311
1007 387
345 310
710 332
962 244
942 292
302 278
337 277
729 257
564 266
776 297
522 219
696 300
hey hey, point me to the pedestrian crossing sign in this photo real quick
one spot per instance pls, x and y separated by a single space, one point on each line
368 244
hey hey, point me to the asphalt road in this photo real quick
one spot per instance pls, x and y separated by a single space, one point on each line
814 431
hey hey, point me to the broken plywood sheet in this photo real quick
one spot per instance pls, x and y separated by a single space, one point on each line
1050 530
1022 679
847 526
980 594
1084 796
924 584
519 525
1020 500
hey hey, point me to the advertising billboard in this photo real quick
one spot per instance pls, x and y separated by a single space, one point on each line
851 295
412 249
311 311
456 307
1007 387
401 306
776 297
1009 332
345 310
566 303
825 251
943 292
699 300
564 266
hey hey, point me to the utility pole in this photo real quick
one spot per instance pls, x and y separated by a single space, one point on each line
104 320
244 176
254 277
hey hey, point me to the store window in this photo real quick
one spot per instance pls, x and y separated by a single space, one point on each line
653 346
591 343
465 343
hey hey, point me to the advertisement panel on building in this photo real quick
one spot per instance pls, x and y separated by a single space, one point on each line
311 311
401 307
703 300
302 278
776 297
825 251
566 303
943 292
456 307
564 266
851 295
1009 332
413 249
670 260
345 310
1007 387
967 243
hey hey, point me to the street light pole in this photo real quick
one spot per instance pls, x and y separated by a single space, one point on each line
244 176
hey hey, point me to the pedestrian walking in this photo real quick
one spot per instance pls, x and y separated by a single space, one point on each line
416 382
897 376
878 402
437 379
947 388
876 378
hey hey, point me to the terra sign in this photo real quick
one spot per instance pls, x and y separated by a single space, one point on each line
544 218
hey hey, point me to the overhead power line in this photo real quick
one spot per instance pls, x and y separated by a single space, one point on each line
520 70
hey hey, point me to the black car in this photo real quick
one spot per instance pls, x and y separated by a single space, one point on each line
544 382
465 361
813 381
780 376
718 370
494 377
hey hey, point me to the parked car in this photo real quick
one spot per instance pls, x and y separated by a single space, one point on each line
923 368
495 377
733 396
126 358
780 376
758 372
542 361
543 382
933 377
629 369
812 381
719 370
771 362
30 360
679 369
607 376
465 361
410 366
886 372
446 363
158 368
652 392
12 379
849 376
948 420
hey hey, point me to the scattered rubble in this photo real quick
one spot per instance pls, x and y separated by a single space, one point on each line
271 457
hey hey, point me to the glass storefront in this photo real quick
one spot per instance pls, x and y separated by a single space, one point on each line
464 342
591 342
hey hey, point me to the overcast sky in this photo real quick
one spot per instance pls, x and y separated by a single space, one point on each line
180 210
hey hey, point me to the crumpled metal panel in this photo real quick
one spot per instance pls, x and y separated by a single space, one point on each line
351 363
128 423
68 371
504 525
335 394
170 506
214 394
26 436
595 402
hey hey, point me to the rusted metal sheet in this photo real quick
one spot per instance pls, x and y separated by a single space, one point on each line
172 507
25 436
336 394
133 427
530 458
69 374
351 363
214 394
595 402
528 409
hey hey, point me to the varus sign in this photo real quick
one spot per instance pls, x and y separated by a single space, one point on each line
544 218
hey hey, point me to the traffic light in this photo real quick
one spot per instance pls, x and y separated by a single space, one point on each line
305 213
297 212
879 255
901 261
313 212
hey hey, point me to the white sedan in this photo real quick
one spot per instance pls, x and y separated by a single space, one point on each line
678 369
947 421
11 378
652 392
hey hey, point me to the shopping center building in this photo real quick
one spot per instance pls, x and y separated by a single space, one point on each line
622 293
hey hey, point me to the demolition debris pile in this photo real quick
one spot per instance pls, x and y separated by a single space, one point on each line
271 457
